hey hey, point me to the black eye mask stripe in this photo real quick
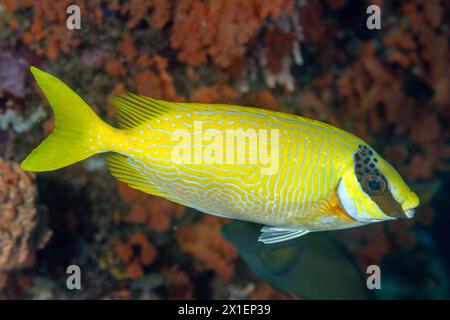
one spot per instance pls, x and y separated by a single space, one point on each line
366 167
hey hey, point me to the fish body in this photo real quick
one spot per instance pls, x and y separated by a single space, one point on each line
296 190
293 174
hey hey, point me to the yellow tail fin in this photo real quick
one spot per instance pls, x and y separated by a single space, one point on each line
75 125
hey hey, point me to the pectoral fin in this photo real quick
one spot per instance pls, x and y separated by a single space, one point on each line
274 234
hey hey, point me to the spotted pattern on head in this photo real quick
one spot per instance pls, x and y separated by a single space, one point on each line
375 184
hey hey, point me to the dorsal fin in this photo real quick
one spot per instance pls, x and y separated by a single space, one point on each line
122 169
133 109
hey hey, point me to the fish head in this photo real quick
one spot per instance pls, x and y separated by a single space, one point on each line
372 190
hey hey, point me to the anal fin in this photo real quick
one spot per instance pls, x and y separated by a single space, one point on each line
123 169
271 235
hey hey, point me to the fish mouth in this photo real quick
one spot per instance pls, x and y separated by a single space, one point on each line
409 206
409 213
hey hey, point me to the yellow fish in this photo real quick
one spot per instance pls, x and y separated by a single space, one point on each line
293 174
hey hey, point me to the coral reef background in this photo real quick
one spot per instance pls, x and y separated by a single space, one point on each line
313 58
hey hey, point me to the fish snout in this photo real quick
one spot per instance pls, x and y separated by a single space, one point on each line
409 206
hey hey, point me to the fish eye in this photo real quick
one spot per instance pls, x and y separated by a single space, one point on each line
374 185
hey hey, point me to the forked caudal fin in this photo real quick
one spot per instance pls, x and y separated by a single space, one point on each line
75 124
